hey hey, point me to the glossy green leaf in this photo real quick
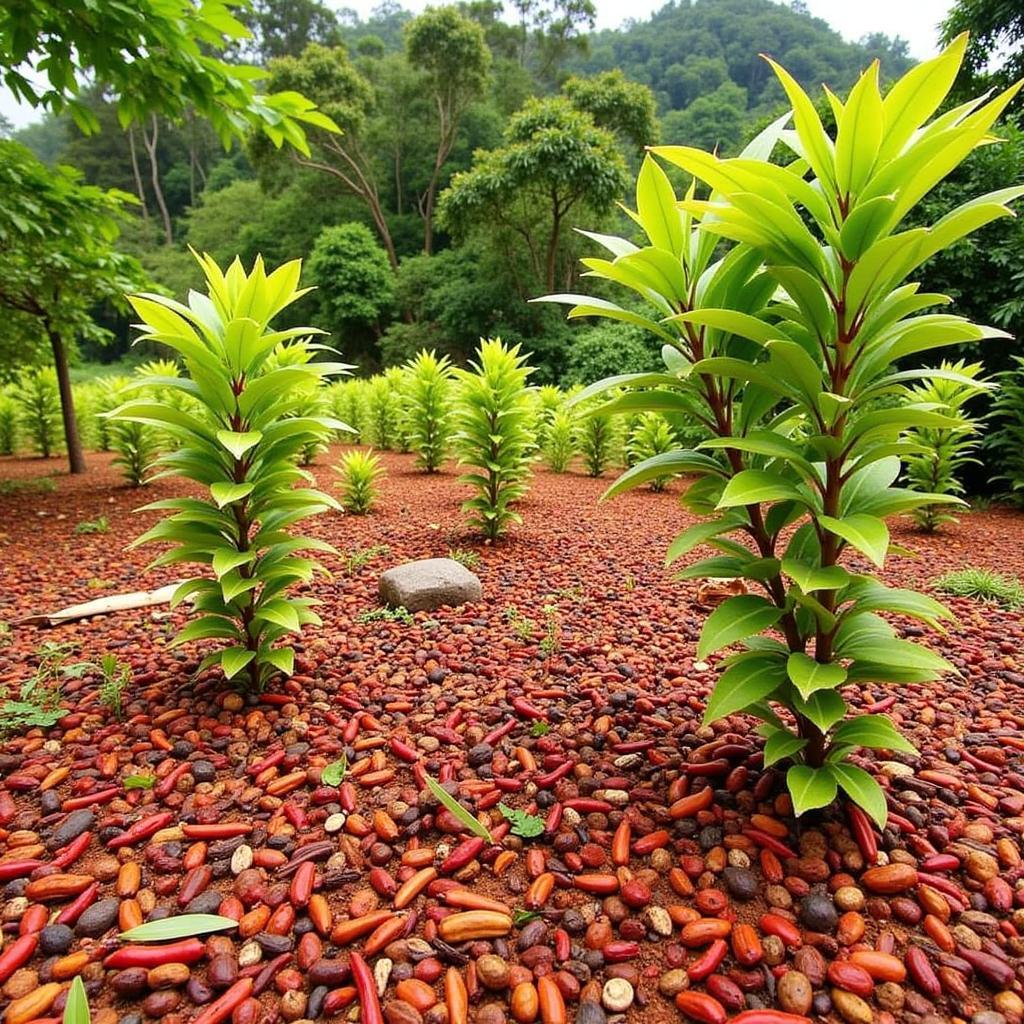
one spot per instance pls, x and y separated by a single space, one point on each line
808 675
334 773
736 619
824 708
744 683
863 790
873 731
753 486
76 1008
868 534
810 788
780 745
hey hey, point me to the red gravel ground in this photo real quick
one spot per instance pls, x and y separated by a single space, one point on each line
611 669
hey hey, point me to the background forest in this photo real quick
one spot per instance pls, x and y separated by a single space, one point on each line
477 139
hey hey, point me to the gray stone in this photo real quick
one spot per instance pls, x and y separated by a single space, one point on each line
429 584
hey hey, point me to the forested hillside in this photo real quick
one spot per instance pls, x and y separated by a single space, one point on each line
475 143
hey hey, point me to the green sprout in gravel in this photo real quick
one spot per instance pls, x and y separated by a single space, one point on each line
983 585
240 444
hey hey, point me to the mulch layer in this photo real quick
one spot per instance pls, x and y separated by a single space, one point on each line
669 883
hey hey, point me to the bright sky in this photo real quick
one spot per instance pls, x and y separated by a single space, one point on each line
913 20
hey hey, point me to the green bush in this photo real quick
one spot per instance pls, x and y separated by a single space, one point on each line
382 413
597 438
651 436
790 307
39 417
348 403
8 424
1005 442
241 446
137 446
493 436
398 379
428 421
360 474
547 400
560 446
106 398
605 350
943 451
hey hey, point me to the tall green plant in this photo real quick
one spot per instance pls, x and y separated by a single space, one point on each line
780 347
493 435
943 451
137 446
106 399
359 474
652 436
597 438
1005 443
560 446
241 446
38 401
428 421
8 424
382 412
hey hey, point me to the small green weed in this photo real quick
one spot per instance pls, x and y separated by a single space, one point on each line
983 585
358 557
522 626
35 484
398 614
101 524
552 641
6 634
116 676
464 556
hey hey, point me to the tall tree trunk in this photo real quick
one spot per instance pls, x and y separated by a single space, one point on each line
154 168
140 191
76 459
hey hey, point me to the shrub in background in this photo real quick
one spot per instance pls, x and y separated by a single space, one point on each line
106 398
607 349
348 403
547 400
799 324
360 473
560 446
493 435
1005 442
8 424
650 437
137 446
597 438
398 379
241 446
428 421
39 416
382 413
943 451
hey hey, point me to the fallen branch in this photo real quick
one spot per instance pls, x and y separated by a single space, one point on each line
101 606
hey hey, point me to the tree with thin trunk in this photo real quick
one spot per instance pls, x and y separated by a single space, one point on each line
555 165
150 140
56 248
451 51
326 75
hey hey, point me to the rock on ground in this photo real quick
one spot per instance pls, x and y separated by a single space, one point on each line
428 584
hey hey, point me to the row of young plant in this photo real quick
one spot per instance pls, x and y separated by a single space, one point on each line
414 409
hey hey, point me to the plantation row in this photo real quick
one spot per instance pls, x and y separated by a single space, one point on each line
413 408
421 408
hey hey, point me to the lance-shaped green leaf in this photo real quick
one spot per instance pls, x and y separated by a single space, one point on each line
863 790
736 619
874 731
780 745
868 534
182 926
239 443
743 683
753 486
468 821
824 708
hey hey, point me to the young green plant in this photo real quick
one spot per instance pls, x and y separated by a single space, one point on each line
780 347
943 451
240 446
359 475
493 436
427 416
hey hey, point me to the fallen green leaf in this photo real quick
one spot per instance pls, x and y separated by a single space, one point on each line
181 927
460 812
334 773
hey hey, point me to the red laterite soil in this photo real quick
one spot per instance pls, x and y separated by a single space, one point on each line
727 898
